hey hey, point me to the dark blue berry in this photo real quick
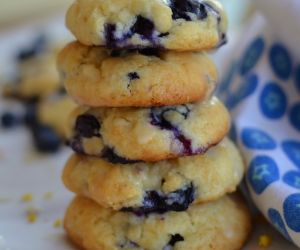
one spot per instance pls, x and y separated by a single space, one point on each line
109 31
223 40
45 139
38 46
62 91
157 202
133 76
87 126
184 8
76 144
30 118
9 120
158 119
143 27
164 34
150 52
174 239
110 155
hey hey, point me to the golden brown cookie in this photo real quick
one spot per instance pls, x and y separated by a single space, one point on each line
95 76
182 25
157 187
224 224
126 135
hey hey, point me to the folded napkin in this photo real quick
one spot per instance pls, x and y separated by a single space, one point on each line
262 90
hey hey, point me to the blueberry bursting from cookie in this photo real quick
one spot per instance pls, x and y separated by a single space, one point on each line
117 143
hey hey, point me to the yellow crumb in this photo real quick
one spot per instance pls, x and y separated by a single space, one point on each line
264 241
48 196
57 223
28 197
32 215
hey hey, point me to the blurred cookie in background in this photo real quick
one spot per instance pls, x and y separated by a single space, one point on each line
37 87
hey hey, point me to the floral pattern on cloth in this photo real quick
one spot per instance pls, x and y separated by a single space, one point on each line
262 90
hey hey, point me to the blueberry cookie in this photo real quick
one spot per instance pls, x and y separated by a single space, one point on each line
37 78
127 135
183 25
45 120
224 224
145 188
96 76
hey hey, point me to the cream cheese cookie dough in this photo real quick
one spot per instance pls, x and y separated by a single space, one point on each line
182 25
145 188
97 77
223 224
127 135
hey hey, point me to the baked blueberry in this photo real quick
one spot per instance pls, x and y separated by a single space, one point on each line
174 239
110 38
133 76
143 27
110 155
159 119
9 120
185 8
45 139
87 126
157 202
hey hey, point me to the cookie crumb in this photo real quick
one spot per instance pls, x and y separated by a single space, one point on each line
264 241
28 197
57 223
48 196
32 215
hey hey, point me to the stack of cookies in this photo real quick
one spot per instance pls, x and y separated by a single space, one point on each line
153 168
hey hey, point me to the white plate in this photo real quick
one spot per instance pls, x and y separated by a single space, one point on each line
23 171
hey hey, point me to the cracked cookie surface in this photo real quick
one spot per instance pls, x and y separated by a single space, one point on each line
144 188
182 25
128 135
97 77
223 224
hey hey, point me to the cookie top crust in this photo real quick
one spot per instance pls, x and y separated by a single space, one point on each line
171 24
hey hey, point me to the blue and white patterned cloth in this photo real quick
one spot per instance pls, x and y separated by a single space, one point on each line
262 91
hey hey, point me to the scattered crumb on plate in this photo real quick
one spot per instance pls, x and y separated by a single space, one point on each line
32 214
28 197
57 223
264 241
